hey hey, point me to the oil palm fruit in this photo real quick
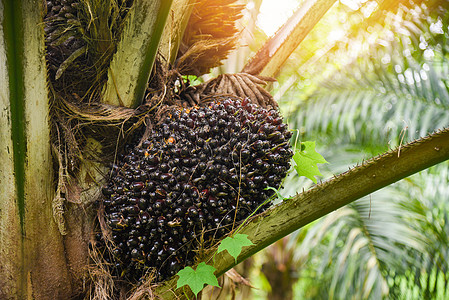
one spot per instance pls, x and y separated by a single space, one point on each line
200 170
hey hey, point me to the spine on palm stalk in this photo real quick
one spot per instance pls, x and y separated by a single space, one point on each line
199 172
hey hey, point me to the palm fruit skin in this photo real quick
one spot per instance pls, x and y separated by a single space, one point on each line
187 180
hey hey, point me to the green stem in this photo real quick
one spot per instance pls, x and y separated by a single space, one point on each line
278 48
31 250
174 29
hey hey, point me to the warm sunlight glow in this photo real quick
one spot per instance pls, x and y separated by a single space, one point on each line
274 13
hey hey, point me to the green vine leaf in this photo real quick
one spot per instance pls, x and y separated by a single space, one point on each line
234 244
196 279
306 161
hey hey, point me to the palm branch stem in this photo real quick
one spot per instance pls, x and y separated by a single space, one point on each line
31 247
131 66
174 29
276 50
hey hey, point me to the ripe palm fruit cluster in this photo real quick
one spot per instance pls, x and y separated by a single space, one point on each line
62 11
200 170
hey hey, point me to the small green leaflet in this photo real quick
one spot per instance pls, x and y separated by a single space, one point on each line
196 279
234 244
306 161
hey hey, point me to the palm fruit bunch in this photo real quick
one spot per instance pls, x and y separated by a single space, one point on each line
200 170
79 44
61 23
62 10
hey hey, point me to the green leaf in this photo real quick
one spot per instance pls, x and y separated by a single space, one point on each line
234 244
306 161
196 279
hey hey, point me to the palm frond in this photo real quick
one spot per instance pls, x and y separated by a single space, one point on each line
427 210
394 243
407 94
385 245
358 245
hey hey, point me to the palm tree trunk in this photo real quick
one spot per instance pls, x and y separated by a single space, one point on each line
33 263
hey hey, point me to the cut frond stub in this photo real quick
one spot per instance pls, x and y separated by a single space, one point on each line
242 85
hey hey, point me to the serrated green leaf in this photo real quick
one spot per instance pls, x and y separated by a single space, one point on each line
306 161
234 244
196 279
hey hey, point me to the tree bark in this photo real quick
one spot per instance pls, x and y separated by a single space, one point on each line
33 264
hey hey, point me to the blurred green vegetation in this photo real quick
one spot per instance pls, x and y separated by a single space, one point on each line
370 77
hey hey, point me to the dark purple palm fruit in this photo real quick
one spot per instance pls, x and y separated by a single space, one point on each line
201 170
